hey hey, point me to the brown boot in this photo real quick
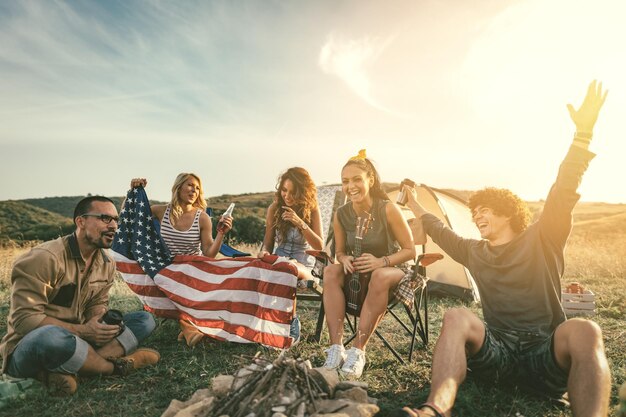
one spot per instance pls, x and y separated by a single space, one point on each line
143 357
59 385
190 333
140 358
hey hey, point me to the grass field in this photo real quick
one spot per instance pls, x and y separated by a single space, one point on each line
596 257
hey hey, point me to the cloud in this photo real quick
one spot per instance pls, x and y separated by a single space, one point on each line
349 60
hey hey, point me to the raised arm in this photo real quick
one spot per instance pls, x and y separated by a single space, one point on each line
587 114
210 247
556 219
311 233
417 228
158 209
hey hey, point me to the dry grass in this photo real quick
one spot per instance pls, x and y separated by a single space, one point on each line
595 257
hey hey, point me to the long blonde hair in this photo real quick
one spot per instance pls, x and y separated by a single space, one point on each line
180 180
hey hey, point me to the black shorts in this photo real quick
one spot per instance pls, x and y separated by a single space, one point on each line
520 358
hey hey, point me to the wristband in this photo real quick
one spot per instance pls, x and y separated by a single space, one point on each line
386 261
587 135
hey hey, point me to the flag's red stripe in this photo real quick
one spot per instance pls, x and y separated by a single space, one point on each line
244 332
166 314
146 290
233 284
238 307
129 268
212 266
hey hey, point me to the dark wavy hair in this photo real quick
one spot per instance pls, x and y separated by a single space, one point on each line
305 195
376 190
503 203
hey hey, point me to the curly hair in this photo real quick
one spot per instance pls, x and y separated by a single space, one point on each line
180 180
503 203
376 190
305 196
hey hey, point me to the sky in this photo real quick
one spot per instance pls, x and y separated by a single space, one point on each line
449 93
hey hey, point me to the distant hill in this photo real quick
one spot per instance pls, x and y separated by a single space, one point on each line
50 217
47 218
63 205
23 221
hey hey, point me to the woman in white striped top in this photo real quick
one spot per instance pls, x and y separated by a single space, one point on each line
186 228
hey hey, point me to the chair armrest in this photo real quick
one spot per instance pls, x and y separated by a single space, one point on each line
426 259
322 259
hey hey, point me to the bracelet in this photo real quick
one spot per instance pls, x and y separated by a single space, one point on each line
581 140
386 261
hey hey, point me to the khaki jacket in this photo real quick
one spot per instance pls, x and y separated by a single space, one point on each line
50 281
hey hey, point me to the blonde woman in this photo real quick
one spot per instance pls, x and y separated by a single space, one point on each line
187 229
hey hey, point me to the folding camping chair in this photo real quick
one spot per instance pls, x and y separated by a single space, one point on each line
418 321
226 250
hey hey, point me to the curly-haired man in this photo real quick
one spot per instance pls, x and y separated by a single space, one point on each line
525 337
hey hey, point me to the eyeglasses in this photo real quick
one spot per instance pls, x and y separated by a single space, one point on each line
106 219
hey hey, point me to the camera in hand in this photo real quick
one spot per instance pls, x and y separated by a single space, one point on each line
115 318
402 197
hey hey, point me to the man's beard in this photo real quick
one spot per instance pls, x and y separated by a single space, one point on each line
101 241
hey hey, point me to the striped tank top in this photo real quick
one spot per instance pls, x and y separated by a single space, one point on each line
181 242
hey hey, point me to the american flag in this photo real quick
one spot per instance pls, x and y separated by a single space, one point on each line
244 300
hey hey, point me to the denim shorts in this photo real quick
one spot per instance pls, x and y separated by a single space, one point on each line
521 358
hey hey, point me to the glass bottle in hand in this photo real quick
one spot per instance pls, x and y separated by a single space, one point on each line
227 213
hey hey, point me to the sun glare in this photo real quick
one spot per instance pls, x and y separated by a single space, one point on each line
533 59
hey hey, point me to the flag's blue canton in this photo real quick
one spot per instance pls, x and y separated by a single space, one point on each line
137 236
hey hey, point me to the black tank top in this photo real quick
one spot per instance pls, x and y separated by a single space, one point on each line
379 240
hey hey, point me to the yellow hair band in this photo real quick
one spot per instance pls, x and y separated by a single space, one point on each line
360 156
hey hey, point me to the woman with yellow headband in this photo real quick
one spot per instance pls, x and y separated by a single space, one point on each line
386 247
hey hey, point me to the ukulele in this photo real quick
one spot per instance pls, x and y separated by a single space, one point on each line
355 287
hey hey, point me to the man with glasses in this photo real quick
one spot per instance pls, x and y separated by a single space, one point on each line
59 295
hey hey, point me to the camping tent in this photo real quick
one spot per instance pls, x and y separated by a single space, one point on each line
447 277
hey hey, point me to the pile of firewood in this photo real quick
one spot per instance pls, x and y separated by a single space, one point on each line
285 387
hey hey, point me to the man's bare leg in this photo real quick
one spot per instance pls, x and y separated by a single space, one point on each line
579 349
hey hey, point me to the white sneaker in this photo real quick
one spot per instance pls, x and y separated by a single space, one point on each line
354 364
336 354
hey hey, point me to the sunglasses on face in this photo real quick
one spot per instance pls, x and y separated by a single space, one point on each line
106 219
